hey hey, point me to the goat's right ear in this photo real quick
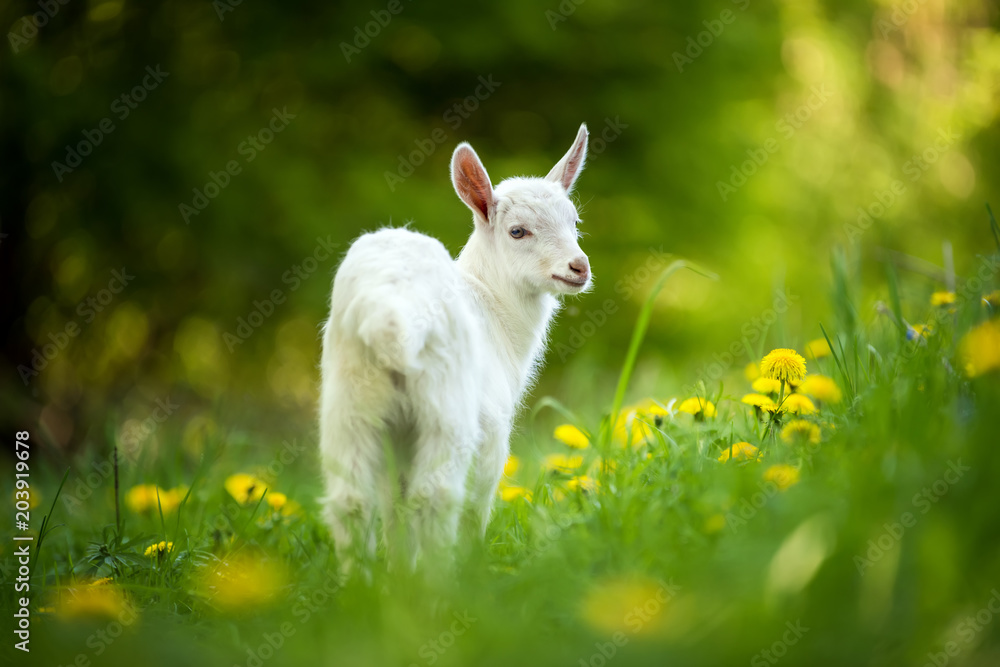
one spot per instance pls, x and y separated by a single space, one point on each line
471 182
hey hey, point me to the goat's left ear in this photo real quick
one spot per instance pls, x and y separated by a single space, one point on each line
568 168
471 182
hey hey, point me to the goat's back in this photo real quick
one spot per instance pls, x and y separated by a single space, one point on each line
399 294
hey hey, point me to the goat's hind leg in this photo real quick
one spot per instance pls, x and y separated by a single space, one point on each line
352 466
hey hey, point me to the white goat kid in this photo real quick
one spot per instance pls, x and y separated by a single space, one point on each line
434 354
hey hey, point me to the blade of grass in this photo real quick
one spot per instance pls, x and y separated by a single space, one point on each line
549 402
638 333
837 359
46 520
894 302
118 514
994 226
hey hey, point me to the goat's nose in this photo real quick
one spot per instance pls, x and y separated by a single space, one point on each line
580 266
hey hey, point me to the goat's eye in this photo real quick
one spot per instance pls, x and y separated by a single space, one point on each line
518 232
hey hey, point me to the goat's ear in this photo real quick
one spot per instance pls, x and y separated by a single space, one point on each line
471 182
568 168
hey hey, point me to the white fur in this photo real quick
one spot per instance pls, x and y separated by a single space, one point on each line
434 354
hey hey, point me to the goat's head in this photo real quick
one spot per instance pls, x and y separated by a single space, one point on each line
528 225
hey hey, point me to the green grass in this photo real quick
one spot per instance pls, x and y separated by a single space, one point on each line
676 558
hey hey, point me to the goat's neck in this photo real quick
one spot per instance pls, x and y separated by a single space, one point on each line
518 320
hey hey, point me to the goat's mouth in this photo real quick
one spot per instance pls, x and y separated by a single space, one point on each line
575 282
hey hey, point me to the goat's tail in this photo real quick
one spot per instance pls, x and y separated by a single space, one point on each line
392 329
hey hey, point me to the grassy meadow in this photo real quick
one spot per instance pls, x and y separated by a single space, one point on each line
843 517
767 436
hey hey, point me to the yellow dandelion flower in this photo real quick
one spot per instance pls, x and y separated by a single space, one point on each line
245 489
818 348
942 298
608 603
741 451
643 407
277 500
141 498
798 404
571 436
582 483
782 475
766 386
821 388
157 549
800 431
149 498
757 400
101 601
697 406
102 581
562 463
783 364
773 408
751 371
291 508
242 583
657 410
512 493
606 466
631 429
714 523
511 466
979 349
914 331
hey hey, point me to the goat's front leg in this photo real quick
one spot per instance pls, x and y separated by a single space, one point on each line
490 461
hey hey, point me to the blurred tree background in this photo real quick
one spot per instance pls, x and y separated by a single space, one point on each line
742 135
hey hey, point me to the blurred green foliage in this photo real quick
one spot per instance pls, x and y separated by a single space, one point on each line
744 136
832 100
